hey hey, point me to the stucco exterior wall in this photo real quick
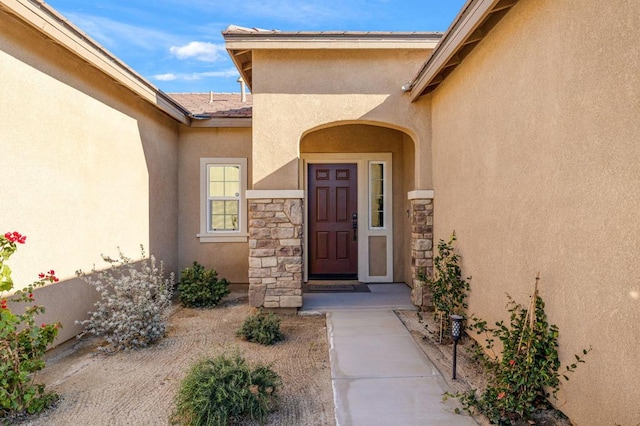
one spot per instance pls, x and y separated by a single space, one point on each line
87 167
535 153
296 91
363 138
230 260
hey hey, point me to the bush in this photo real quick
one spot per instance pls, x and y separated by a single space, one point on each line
225 389
134 304
200 287
22 342
448 288
263 329
519 381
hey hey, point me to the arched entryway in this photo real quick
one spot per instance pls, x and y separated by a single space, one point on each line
355 178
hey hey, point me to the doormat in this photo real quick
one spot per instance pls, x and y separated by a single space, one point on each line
336 288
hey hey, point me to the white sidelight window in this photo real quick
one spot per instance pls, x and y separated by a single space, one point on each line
376 195
223 216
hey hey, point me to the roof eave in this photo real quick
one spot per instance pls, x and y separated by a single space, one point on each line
473 23
54 26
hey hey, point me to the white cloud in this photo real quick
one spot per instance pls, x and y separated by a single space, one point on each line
165 77
231 72
113 33
202 51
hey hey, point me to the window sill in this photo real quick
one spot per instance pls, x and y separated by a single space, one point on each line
223 238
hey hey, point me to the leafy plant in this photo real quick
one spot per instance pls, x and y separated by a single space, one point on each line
518 381
200 287
226 389
448 288
135 298
22 342
260 328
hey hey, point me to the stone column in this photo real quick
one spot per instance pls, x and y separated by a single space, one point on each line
275 249
421 245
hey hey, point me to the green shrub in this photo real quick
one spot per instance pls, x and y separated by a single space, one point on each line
263 329
226 389
23 342
448 288
520 380
200 287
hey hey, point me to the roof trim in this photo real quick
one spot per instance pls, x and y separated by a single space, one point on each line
227 122
473 23
56 27
241 41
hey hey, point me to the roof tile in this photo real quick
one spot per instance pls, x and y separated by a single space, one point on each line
215 105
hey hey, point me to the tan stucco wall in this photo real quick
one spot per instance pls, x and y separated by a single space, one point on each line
296 91
230 260
365 138
535 150
87 167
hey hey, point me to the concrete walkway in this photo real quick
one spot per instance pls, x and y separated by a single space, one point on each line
379 373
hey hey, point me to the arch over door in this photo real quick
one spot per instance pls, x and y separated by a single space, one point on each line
333 234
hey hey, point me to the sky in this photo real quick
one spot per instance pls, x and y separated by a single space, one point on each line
177 45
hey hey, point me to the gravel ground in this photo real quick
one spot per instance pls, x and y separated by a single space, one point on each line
138 387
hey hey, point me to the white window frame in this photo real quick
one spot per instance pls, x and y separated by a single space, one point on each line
385 194
223 236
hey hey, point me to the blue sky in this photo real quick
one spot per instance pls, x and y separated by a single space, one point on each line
177 44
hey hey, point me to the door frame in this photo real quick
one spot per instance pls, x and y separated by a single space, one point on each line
362 160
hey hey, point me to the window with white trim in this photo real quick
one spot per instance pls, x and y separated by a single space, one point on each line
223 183
376 194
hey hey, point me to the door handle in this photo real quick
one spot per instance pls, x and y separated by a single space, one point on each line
354 224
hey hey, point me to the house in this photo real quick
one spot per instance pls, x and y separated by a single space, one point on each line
518 128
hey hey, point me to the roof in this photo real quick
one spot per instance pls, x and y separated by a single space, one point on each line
241 41
215 105
470 27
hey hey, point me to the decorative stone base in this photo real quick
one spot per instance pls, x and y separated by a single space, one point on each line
275 253
421 250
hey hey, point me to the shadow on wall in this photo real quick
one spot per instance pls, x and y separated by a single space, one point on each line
285 177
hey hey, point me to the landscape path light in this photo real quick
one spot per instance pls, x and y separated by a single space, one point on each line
456 332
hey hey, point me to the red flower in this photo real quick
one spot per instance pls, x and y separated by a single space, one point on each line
512 362
30 295
501 395
41 275
43 325
52 272
15 237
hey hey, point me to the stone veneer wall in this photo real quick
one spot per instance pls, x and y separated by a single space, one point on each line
275 253
421 249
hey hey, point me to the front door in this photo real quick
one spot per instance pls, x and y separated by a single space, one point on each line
333 234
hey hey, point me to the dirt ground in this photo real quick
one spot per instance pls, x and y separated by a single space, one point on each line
138 387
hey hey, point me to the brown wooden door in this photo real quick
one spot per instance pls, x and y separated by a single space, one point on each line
333 202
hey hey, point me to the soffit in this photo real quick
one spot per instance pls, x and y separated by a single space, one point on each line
241 42
469 28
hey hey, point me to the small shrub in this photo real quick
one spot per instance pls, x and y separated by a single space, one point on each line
518 381
226 389
448 288
135 298
22 342
263 329
200 287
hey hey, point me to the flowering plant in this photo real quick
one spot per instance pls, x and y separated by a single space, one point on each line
22 342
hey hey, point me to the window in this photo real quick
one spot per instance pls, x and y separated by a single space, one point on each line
376 194
223 208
